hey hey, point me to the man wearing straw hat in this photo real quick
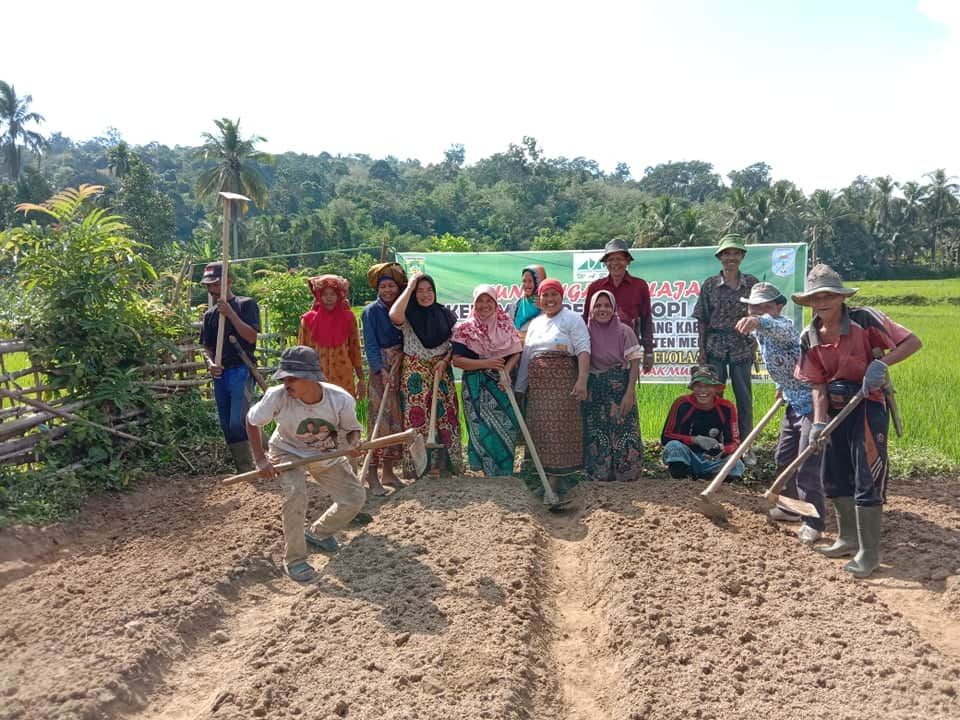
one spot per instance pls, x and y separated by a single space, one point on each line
845 351
312 417
780 347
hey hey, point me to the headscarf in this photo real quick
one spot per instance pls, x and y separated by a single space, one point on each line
432 325
550 284
494 337
391 270
612 343
527 307
329 328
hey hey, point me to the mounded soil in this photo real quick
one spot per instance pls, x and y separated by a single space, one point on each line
465 599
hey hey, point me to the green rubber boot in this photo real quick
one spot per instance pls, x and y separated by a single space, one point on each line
868 528
847 542
242 456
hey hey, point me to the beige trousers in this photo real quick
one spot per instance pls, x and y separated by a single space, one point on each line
338 480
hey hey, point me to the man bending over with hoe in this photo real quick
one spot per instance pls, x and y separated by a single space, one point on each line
312 417
780 347
842 357
701 429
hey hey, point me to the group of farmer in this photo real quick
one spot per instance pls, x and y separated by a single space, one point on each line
573 378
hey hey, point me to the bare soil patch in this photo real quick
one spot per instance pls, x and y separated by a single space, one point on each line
464 599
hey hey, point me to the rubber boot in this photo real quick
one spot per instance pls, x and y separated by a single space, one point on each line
847 542
868 528
242 456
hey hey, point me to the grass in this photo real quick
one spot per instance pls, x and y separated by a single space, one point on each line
908 292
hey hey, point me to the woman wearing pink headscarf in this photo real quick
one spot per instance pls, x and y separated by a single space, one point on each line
483 344
611 444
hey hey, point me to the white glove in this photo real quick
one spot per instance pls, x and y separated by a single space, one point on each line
707 444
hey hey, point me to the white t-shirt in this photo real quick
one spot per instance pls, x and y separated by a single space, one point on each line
304 429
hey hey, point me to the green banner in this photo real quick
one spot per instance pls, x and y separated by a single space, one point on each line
674 276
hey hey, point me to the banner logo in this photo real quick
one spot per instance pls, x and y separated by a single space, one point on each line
782 261
587 266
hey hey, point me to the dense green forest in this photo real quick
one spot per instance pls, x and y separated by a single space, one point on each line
518 199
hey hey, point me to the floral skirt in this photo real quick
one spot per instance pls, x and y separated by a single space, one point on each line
491 423
392 421
416 391
612 449
553 414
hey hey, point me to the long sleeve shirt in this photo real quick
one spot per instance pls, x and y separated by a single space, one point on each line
780 347
378 333
686 421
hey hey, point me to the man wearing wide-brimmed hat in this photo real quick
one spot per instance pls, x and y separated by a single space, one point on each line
845 351
701 429
312 417
718 309
631 293
780 347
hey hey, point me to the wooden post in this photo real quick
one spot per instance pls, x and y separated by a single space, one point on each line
224 278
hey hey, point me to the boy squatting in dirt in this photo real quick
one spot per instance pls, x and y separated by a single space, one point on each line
841 354
312 417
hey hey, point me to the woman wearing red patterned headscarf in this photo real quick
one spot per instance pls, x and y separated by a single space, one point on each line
330 328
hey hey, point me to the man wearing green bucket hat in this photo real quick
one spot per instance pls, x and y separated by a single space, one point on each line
718 309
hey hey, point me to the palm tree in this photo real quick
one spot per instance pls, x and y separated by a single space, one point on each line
119 159
15 115
823 212
941 208
235 161
659 223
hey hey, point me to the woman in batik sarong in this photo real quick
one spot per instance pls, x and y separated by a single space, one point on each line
383 344
330 328
483 345
553 374
427 327
527 307
611 442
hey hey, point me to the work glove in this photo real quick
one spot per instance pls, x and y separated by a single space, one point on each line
814 437
707 444
875 377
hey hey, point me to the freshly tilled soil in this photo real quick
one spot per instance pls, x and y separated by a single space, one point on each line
465 599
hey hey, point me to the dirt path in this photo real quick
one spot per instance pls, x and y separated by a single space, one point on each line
465 599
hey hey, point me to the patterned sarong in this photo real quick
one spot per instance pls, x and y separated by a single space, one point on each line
416 391
553 414
491 423
392 421
611 443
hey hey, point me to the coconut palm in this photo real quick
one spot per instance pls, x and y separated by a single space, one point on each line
823 212
15 115
119 159
941 207
236 163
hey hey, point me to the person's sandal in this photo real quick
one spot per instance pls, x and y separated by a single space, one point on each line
327 544
301 571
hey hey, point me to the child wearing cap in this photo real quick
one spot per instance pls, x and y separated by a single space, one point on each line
845 351
780 347
312 417
701 429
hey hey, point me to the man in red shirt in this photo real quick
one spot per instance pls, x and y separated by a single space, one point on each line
632 295
845 351
701 429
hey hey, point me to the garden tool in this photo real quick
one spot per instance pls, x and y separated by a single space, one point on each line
705 504
432 443
889 394
408 437
550 497
800 507
384 401
40 405
249 363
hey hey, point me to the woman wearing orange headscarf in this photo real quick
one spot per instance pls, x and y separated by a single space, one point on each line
330 328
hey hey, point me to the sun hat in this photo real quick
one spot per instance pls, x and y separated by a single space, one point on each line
703 374
730 242
764 292
617 245
301 362
822 278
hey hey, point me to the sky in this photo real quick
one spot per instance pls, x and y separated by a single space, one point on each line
821 90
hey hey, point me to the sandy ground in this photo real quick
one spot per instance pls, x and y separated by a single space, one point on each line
464 599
